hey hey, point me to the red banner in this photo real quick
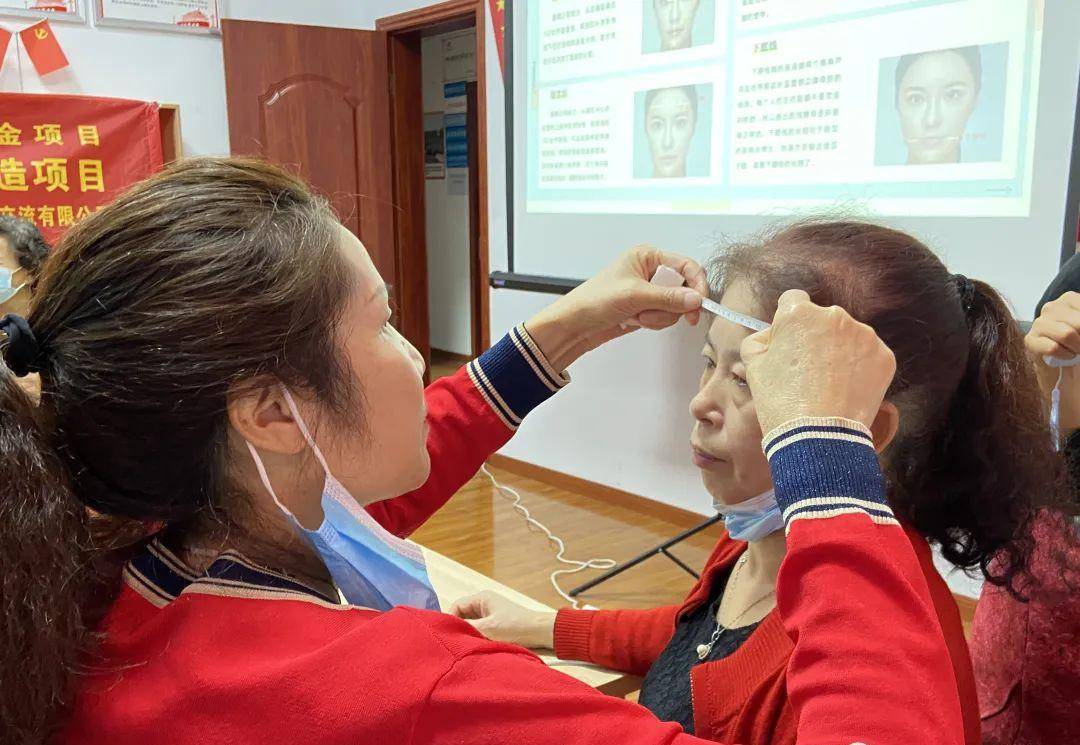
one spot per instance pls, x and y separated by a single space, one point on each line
62 157
498 22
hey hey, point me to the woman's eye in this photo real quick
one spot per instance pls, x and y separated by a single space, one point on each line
915 99
709 363
739 380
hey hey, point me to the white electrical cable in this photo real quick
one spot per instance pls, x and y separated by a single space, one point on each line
508 493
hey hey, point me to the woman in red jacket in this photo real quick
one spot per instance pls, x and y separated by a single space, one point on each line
1027 654
200 533
965 470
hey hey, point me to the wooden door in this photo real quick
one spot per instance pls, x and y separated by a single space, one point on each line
316 100
477 283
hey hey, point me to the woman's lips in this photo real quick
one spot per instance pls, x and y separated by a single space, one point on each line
703 459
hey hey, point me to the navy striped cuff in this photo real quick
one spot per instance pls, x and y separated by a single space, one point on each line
826 466
515 377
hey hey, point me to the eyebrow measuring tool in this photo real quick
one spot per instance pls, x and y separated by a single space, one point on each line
665 276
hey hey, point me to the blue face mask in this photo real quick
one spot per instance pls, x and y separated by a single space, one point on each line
7 291
371 567
753 519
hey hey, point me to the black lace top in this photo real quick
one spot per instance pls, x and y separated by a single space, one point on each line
666 688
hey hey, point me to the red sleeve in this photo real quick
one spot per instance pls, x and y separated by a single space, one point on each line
624 640
496 698
870 663
471 415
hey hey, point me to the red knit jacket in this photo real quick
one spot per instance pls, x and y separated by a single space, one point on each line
743 697
240 654
1027 655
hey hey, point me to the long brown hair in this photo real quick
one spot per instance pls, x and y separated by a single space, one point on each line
211 275
973 462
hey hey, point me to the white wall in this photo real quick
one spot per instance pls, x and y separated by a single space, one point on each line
447 224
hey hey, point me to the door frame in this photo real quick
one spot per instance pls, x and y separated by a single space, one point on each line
407 155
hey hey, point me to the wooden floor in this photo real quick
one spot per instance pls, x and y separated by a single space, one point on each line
480 529
445 363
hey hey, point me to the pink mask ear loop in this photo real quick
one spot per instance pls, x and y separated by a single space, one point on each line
261 468
304 430
266 479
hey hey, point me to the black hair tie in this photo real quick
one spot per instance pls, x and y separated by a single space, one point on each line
965 288
22 351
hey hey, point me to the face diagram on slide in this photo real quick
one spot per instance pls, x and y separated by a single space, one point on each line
947 103
670 120
935 95
671 138
669 25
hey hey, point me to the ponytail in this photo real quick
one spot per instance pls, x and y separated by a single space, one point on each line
47 584
993 467
972 466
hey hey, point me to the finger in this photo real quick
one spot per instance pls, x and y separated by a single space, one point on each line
1064 334
790 299
694 274
468 607
478 624
671 299
1071 299
657 319
693 317
1042 346
755 345
1069 316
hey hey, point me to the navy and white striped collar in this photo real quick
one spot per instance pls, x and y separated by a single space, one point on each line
160 576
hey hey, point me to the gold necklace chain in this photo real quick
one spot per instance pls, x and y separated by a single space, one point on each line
703 650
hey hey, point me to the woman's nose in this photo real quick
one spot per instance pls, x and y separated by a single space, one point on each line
932 116
705 410
418 359
413 352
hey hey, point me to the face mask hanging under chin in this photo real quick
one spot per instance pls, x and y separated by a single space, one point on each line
752 519
371 567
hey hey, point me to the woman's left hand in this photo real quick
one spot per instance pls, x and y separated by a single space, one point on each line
617 301
1056 333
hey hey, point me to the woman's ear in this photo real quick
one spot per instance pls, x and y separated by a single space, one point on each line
885 424
260 415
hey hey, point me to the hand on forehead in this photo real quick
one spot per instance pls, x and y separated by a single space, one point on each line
725 335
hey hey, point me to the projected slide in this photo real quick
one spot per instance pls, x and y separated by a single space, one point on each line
907 107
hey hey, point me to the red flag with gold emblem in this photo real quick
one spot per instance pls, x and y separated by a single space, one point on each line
498 22
5 39
42 48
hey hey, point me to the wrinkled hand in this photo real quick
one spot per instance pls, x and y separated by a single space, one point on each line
503 620
816 361
1056 333
615 302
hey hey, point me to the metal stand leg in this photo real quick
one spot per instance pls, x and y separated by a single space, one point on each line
661 549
